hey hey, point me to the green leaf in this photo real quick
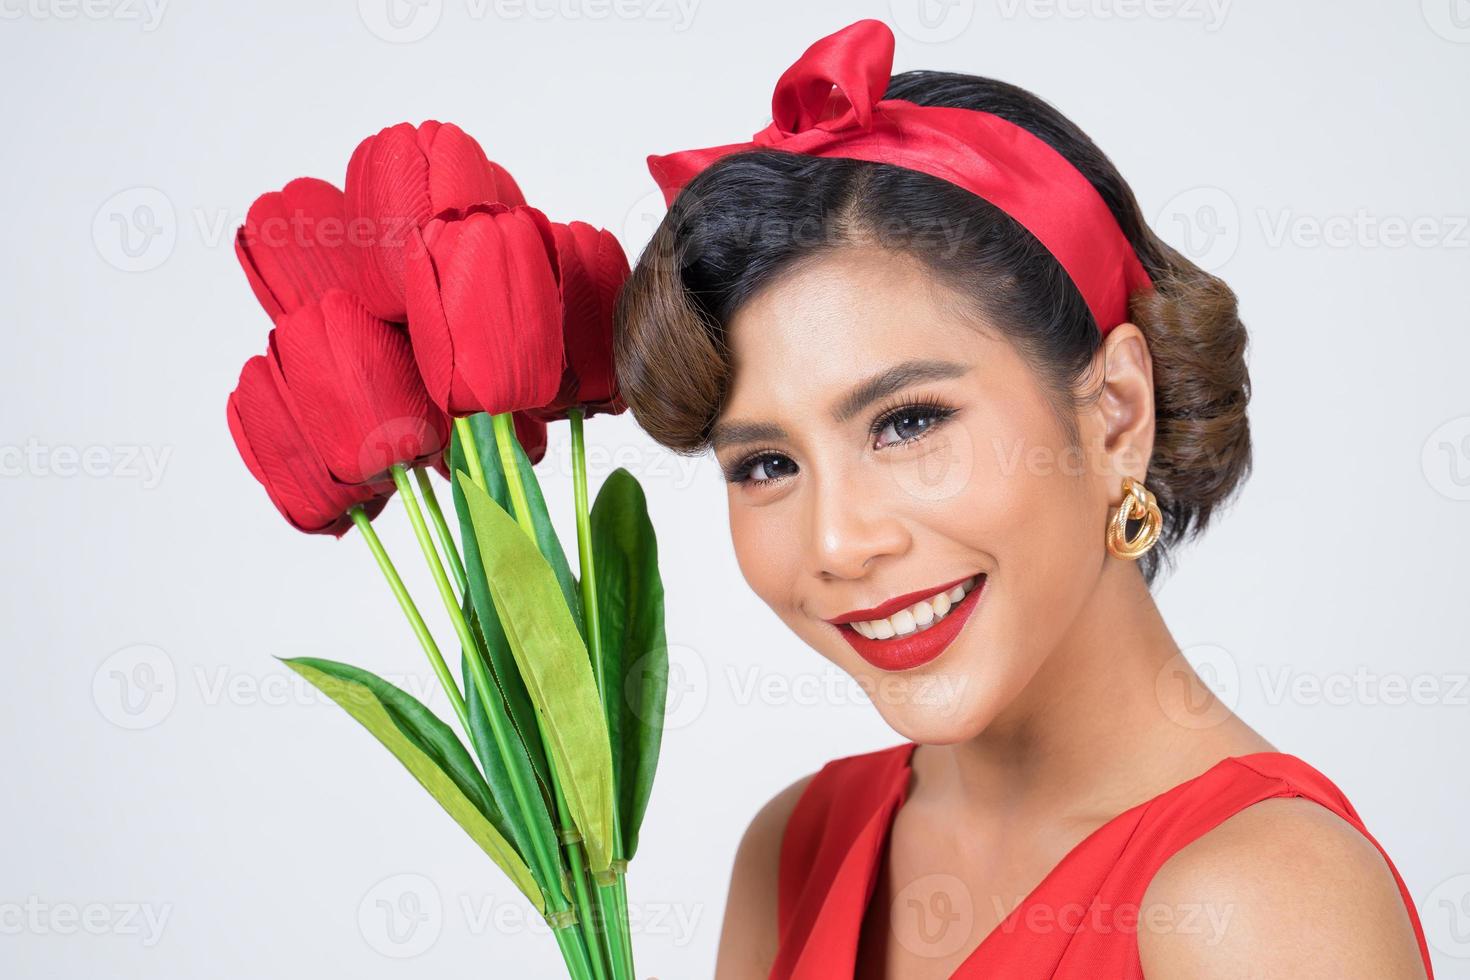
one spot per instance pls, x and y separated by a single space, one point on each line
635 656
546 538
429 750
497 775
553 662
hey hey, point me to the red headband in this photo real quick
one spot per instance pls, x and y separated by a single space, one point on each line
829 104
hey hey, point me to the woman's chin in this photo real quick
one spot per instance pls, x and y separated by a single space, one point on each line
933 707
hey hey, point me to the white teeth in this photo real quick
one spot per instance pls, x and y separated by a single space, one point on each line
903 622
918 617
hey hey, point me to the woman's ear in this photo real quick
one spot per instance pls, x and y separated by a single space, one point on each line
1125 404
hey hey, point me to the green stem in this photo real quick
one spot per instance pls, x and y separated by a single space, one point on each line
471 452
620 943
505 433
420 628
441 528
625 932
574 953
489 697
503 426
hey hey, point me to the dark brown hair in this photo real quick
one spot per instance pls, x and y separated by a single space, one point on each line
754 215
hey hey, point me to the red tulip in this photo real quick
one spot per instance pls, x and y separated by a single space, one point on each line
396 182
484 310
294 246
278 455
593 270
355 390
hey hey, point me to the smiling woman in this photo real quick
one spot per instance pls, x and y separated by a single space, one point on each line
966 402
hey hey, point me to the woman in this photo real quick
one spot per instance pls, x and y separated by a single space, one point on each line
966 402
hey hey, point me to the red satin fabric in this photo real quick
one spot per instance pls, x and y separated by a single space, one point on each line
830 103
837 834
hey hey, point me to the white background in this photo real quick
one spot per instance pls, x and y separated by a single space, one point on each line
1291 147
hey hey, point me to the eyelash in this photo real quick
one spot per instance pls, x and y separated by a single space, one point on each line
930 408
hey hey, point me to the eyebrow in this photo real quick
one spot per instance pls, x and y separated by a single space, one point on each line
863 394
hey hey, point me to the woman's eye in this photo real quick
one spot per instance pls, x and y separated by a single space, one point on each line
763 468
909 423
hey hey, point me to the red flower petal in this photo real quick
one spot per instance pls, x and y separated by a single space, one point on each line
280 458
531 434
397 181
293 245
494 328
356 390
593 270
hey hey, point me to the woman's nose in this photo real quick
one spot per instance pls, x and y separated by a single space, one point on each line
851 526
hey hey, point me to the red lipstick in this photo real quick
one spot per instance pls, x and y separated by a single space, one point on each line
919 647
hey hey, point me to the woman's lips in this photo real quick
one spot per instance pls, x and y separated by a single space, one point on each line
898 602
920 647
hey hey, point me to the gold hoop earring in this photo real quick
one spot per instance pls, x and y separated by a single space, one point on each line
1138 505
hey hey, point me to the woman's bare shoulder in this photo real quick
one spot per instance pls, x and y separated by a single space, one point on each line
748 938
1285 887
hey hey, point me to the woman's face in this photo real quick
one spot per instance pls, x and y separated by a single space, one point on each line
846 501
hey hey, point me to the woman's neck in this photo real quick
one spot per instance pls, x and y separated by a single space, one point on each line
1113 717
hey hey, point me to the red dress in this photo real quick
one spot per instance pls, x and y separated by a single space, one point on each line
838 831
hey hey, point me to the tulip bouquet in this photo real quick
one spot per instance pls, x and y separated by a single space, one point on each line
427 320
